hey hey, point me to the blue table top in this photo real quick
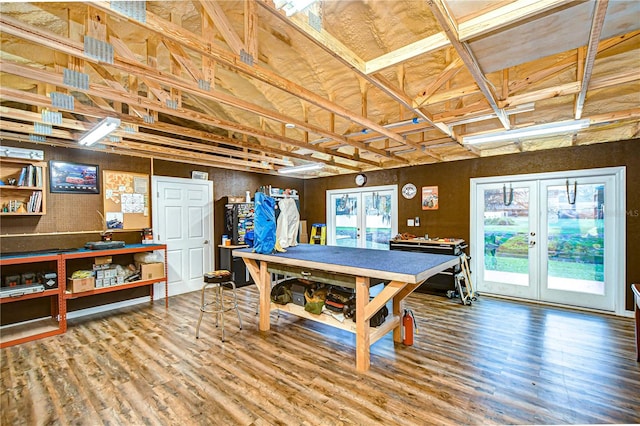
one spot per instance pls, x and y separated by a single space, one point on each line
385 264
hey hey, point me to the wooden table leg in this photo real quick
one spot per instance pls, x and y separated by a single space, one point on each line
363 340
262 280
264 285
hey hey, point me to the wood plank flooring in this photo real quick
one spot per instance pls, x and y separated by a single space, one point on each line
495 362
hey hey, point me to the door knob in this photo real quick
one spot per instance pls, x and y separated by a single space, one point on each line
206 241
532 243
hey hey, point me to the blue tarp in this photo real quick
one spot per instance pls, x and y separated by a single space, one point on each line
264 224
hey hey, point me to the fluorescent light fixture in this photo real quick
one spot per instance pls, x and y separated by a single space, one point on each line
105 127
302 168
531 131
291 7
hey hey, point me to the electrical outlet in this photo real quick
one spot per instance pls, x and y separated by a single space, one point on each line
417 221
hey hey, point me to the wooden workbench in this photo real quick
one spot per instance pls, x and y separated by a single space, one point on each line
348 267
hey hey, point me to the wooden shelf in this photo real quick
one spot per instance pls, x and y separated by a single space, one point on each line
32 329
108 289
348 324
27 331
46 293
12 168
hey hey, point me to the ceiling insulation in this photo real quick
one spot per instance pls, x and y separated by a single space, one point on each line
354 85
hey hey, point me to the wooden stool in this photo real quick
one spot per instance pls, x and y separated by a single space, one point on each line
218 281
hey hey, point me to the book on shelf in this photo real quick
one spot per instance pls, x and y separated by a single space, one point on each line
23 175
38 205
38 180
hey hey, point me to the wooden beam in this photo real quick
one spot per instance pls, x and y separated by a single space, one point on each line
464 51
355 64
41 100
193 41
154 79
421 47
548 71
571 88
490 21
600 10
446 75
251 28
215 12
36 74
509 14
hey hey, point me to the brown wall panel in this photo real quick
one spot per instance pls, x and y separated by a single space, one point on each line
73 212
452 219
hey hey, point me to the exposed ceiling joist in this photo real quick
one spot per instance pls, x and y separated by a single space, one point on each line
445 20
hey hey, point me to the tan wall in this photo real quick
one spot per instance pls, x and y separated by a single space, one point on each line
452 219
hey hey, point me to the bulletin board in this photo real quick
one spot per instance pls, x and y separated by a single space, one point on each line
126 200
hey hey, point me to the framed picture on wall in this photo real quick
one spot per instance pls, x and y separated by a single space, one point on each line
429 198
73 178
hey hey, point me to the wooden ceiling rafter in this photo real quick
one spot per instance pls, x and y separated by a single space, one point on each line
131 65
108 148
447 74
509 14
196 43
251 27
219 19
41 75
464 51
544 78
41 100
341 53
571 88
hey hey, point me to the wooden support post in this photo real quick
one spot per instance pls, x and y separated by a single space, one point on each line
363 339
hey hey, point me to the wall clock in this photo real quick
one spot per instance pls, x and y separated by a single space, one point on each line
409 191
361 179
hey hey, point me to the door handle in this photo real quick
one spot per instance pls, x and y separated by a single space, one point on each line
532 243
206 241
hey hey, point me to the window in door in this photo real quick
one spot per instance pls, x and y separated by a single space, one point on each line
550 238
362 218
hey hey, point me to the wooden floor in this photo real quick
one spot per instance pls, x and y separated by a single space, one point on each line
495 362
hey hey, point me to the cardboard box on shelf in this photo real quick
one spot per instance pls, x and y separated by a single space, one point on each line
103 260
150 271
304 236
77 285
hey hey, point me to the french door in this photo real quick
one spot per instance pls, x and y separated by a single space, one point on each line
362 218
556 237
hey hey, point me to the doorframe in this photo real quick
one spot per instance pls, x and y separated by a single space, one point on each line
158 289
620 202
330 221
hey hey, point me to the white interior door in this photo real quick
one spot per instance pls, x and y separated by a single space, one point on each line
553 237
365 218
183 220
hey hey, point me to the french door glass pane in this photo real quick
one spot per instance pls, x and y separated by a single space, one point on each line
377 219
575 216
506 235
346 208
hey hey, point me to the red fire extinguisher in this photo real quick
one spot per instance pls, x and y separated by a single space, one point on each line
408 325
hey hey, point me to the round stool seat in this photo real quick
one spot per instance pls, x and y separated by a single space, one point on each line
216 282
